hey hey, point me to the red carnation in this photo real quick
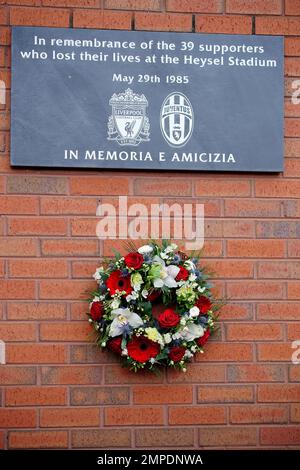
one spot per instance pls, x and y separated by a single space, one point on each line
201 341
97 311
176 353
182 275
117 282
204 304
114 344
141 349
168 318
134 260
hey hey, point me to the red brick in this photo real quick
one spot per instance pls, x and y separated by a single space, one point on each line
223 188
4 77
255 373
17 375
256 248
99 186
292 7
225 394
62 247
292 67
99 396
226 24
293 290
294 248
36 354
290 110
73 290
162 394
257 332
84 226
17 332
283 188
68 417
84 269
5 35
257 7
11 418
18 205
68 205
212 207
24 184
38 268
170 437
197 373
284 435
255 290
295 413
163 22
294 373
36 311
90 353
35 396
71 3
70 331
277 26
292 129
18 247
231 268
114 374
195 6
133 4
258 414
292 46
213 248
71 375
238 228
2 440
39 17
196 415
226 436
133 416
293 331
252 208
17 289
37 439
281 393
278 311
101 438
279 269
226 352
163 187
78 310
234 311
3 15
278 352
292 146
292 166
37 226
102 19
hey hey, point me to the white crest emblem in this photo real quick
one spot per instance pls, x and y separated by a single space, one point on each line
128 123
176 119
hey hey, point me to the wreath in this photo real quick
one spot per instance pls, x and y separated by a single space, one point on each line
153 307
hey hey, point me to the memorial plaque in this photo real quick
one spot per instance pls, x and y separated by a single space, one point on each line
143 100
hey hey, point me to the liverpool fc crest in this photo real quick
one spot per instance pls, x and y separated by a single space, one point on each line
128 123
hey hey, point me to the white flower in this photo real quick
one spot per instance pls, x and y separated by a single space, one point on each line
124 352
170 248
115 303
145 293
193 349
152 360
154 335
167 274
192 277
194 312
182 321
176 335
132 296
167 338
97 274
96 298
123 318
187 354
145 249
189 265
201 289
191 332
164 255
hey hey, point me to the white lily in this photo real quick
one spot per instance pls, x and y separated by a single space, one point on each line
123 317
167 274
191 332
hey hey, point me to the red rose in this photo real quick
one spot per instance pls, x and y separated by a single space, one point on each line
97 311
114 344
168 318
204 304
141 349
182 275
201 341
176 353
153 295
117 282
134 260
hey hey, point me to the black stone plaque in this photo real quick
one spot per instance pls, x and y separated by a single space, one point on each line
150 101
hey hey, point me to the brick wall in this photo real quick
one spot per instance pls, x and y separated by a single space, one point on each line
56 391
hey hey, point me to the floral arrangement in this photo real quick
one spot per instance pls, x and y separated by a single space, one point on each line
153 307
